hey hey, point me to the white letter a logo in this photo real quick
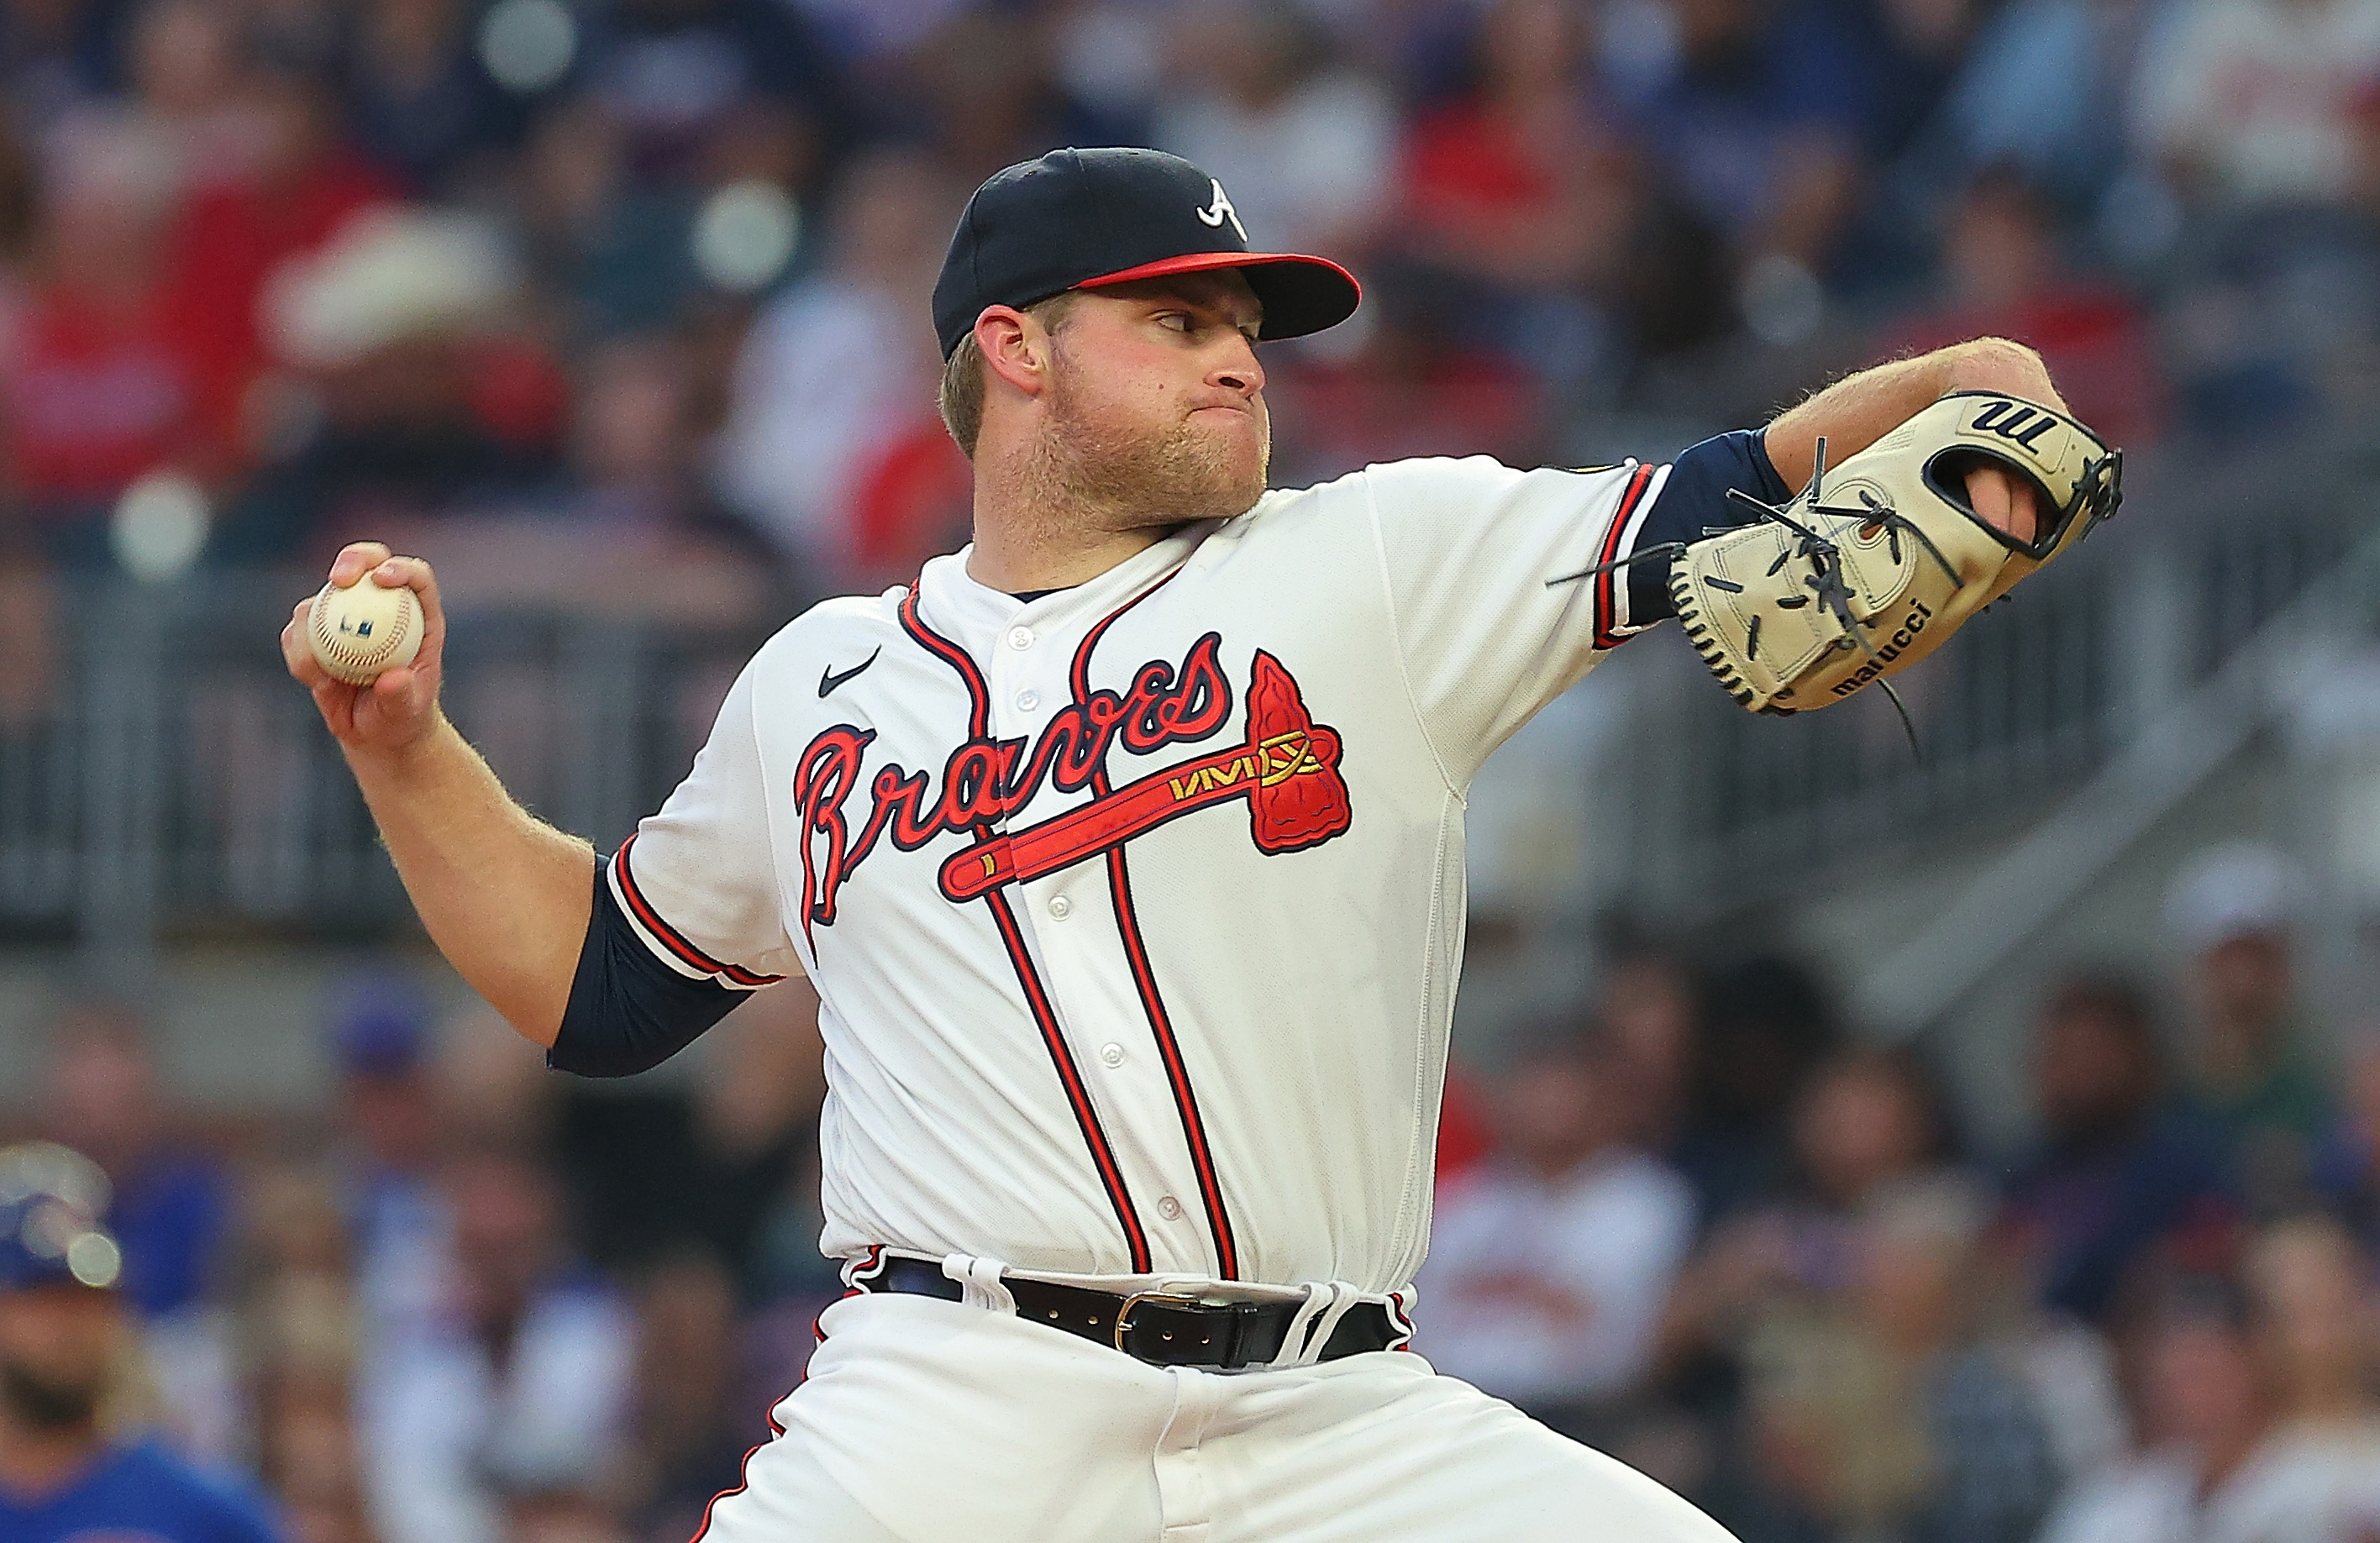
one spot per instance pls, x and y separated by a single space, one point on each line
1220 210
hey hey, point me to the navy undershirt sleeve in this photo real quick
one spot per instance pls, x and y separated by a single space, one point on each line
1694 504
629 1012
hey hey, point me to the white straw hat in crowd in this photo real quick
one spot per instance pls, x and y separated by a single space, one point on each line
390 274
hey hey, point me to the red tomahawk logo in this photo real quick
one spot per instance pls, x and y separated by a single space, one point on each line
1287 769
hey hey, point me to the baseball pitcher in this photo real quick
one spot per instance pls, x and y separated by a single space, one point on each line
1124 851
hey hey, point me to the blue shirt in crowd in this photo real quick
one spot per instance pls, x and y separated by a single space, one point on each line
137 1494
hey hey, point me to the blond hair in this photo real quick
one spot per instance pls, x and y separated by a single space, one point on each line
961 392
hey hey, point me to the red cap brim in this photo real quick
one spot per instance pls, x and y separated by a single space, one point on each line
1300 294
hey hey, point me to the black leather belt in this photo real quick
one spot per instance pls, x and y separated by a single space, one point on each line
1161 1329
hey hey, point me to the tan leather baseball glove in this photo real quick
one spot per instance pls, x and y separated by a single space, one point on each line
1879 560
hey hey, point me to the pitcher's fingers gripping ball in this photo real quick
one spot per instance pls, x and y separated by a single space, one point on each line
1868 568
366 628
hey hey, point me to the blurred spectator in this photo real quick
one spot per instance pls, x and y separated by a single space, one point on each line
65 1473
1305 148
100 1096
2319 1312
389 1130
1516 203
1648 1010
2251 1059
301 1329
832 447
688 1433
1758 111
674 72
1765 1027
2006 276
2043 91
2248 102
103 378
1889 1408
983 91
2347 1165
1549 1263
616 248
2121 1169
189 61
628 528
2226 1451
1868 1122
56 55
420 101
517 1393
424 401
293 188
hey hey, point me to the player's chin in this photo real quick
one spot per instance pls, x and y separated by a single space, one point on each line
1235 443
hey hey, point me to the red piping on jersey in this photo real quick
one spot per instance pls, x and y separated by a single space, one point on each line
670 937
1037 998
1135 952
1607 583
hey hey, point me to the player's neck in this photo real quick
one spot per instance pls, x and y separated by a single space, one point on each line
1031 536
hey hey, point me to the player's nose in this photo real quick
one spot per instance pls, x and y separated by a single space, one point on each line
1237 370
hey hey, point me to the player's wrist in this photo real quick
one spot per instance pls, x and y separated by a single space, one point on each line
405 756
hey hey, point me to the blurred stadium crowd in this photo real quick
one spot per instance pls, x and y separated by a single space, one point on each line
1695 1222
620 307
485 276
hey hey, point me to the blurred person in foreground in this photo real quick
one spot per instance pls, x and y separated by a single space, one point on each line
1549 1263
1896 1406
65 1475
2120 1167
2251 1061
516 1394
2252 1409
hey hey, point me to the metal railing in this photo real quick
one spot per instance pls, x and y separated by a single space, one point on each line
174 781
177 783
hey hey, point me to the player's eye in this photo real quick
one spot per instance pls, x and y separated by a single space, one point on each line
1180 321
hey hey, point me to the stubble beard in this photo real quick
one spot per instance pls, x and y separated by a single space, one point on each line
1120 476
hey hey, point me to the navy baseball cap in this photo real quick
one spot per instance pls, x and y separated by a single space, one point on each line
1080 219
51 1200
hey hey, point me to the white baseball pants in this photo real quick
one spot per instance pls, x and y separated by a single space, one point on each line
927 1421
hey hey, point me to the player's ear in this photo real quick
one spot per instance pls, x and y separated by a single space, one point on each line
1014 348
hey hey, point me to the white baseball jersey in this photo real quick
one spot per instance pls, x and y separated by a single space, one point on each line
1134 911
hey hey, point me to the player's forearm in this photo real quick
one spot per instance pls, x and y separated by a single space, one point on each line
1859 409
505 896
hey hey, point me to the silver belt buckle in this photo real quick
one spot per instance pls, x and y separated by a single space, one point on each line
1123 1314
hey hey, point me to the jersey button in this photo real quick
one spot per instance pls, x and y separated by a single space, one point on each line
1170 1208
1061 907
1027 700
1020 638
1111 1055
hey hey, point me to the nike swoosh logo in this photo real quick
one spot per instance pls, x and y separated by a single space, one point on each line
830 680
